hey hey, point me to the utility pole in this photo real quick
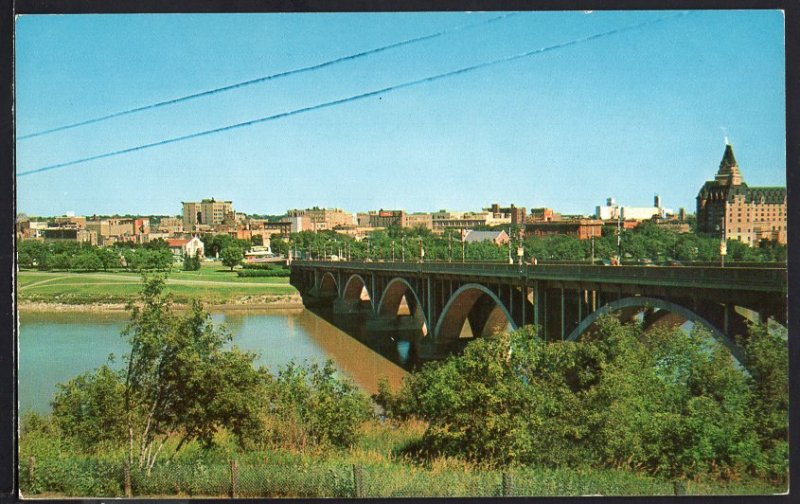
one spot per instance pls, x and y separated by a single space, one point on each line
510 260
463 245
449 247
619 238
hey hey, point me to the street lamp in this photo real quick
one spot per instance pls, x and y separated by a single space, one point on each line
392 250
510 260
421 251
403 249
449 247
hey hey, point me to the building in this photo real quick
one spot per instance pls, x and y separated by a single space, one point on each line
386 218
172 225
69 221
729 207
613 211
186 246
110 231
321 219
583 229
543 215
505 215
443 219
497 237
71 234
206 213
419 219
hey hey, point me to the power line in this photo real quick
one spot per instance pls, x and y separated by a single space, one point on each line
265 78
356 97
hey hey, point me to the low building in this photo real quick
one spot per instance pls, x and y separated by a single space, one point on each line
321 219
614 211
172 225
443 219
187 246
583 229
72 234
543 215
419 219
496 237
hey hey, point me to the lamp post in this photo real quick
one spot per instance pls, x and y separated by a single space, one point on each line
403 249
510 260
723 244
520 249
619 239
463 246
421 251
449 247
392 250
592 250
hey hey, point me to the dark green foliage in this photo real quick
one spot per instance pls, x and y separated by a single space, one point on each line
89 408
191 263
273 272
646 241
232 256
309 406
665 402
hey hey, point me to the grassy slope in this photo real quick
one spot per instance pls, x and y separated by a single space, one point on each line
387 472
212 284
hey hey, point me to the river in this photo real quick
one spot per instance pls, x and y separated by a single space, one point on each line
54 347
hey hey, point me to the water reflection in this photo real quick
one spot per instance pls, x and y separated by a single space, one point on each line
55 347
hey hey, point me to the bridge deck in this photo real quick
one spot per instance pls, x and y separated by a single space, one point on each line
767 279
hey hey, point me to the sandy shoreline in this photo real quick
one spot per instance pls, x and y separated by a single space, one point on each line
281 303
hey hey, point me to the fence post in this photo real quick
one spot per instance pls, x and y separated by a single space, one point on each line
127 474
508 486
233 479
31 472
679 487
358 480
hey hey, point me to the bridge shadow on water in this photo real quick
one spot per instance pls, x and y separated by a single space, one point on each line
398 346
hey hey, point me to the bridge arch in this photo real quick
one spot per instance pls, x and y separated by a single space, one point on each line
328 285
634 302
392 298
477 304
353 289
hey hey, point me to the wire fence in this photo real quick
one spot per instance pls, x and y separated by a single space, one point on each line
72 477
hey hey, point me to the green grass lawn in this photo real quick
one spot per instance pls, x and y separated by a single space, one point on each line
120 286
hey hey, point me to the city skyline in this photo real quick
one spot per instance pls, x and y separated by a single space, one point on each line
627 116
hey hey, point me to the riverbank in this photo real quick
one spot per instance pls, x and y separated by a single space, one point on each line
248 303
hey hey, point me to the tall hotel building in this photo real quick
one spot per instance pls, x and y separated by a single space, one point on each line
729 207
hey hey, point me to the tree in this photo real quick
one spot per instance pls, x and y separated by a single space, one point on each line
311 406
191 263
231 256
178 381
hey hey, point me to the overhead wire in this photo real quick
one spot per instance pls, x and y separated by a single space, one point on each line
266 78
356 97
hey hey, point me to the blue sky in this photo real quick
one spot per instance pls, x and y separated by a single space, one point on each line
628 115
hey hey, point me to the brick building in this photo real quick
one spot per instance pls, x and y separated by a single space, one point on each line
729 207
583 229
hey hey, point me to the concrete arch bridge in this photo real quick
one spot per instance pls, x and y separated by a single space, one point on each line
448 304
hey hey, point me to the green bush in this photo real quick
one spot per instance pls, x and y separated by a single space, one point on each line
665 402
273 272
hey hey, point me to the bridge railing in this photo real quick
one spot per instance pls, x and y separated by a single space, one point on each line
761 279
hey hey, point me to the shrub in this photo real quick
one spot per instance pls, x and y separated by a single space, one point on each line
254 273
